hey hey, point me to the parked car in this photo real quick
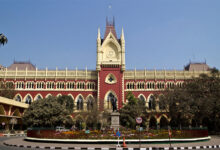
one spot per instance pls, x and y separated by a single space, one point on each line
61 129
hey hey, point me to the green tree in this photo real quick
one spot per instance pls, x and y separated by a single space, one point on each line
198 100
176 104
67 101
46 112
130 111
93 117
7 90
3 39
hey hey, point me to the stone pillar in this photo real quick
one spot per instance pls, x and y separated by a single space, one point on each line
147 125
115 123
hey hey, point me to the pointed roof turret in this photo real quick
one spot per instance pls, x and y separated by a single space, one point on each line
99 35
122 34
110 27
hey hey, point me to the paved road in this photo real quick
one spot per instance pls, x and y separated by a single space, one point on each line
3 147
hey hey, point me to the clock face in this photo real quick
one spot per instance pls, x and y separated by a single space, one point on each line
110 53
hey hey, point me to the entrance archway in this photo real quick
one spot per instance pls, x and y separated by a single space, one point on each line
163 123
111 101
153 123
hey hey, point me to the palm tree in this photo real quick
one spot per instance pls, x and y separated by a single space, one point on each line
3 39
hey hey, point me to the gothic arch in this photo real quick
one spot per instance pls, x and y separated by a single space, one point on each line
2 110
164 121
28 99
59 94
48 95
16 113
71 96
38 96
107 103
111 39
79 102
17 97
142 97
150 103
90 102
110 79
153 122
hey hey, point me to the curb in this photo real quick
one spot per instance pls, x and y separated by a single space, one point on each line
13 135
115 141
119 148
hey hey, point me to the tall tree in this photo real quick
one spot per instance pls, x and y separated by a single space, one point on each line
46 112
67 101
198 100
7 90
130 111
3 39
93 117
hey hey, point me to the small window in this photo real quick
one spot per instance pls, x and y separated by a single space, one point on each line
50 85
110 79
80 85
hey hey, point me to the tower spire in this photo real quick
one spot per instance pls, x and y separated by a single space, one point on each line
110 27
122 34
99 36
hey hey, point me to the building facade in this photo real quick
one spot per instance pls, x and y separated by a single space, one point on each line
110 81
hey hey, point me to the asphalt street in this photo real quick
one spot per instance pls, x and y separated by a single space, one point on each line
4 147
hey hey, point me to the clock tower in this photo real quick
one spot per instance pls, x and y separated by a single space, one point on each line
110 66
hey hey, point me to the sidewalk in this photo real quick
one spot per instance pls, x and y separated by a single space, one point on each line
19 142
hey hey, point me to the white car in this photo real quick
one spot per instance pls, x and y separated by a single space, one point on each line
61 129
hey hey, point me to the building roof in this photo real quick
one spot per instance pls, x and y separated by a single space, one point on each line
4 100
197 67
110 27
2 67
22 65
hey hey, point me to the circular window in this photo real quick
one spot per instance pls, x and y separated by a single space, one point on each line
110 79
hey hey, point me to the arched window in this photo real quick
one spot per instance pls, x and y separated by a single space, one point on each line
80 85
28 99
90 103
140 85
110 79
160 85
90 85
179 84
130 85
170 85
152 103
20 85
111 101
70 85
60 85
80 103
18 98
40 85
141 97
150 85
50 85
29 85
38 97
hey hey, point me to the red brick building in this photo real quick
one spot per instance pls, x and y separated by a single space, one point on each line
110 81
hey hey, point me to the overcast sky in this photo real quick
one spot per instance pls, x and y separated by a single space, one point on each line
158 33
